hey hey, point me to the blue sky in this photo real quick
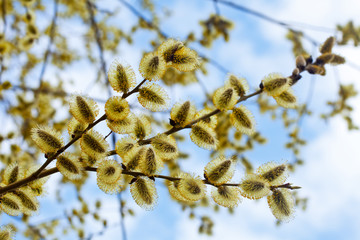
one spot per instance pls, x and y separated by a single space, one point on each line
256 48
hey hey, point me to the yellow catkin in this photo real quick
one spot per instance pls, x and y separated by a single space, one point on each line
11 204
125 145
152 66
38 183
153 97
121 76
225 98
242 119
327 46
89 161
94 144
191 188
69 165
226 196
109 171
150 163
29 203
168 48
109 188
274 84
75 127
174 191
239 84
6 233
219 170
12 173
281 204
254 187
116 108
183 113
210 121
144 192
165 146
287 99
83 109
203 136
132 159
141 127
47 139
185 59
123 126
274 174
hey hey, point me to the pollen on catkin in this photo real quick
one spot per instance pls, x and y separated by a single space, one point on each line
165 146
123 126
132 159
287 99
144 192
274 84
83 109
185 59
254 187
12 173
242 119
281 204
47 139
75 127
11 204
168 48
94 144
152 66
153 97
203 136
239 84
210 121
6 233
116 108
141 127
150 163
219 170
183 113
109 171
28 200
174 191
69 166
125 145
121 76
226 196
225 98
274 174
191 188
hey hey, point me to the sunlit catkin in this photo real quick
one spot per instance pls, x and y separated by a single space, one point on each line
274 174
165 146
47 139
6 233
183 113
226 196
11 204
242 119
150 163
75 127
125 145
185 59
210 121
12 173
153 97
219 170
174 191
94 144
281 204
274 84
116 108
123 126
121 76
191 188
254 187
287 99
132 159
203 136
144 192
109 171
89 161
168 48
239 84
83 109
141 127
327 46
152 66
29 203
69 166
225 98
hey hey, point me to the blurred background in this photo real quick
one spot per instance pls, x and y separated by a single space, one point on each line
254 39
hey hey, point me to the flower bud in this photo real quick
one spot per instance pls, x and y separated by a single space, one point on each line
226 196
219 170
153 97
281 204
203 136
242 119
83 109
183 113
225 98
191 188
239 84
152 66
69 166
273 173
144 192
94 144
121 76
254 187
116 108
47 139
